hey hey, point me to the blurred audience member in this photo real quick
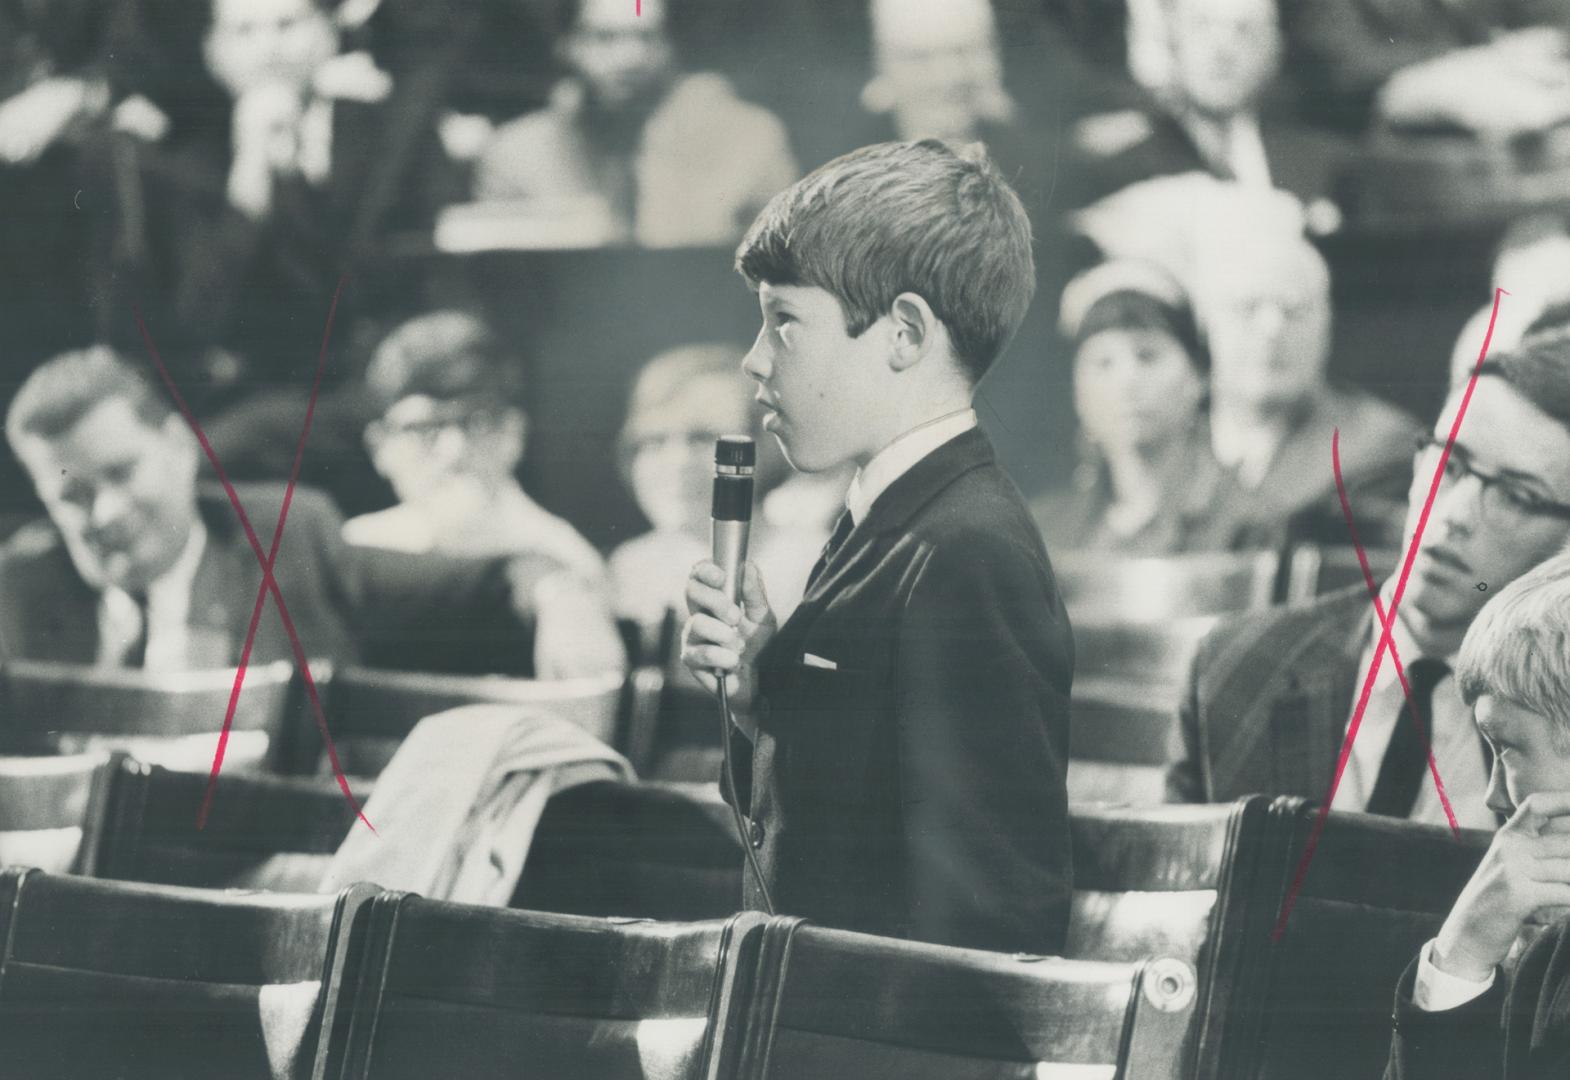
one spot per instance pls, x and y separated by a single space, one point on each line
53 93
1264 302
1494 69
1147 482
797 519
631 147
1456 1013
140 566
449 441
683 400
324 157
1212 107
937 72
1271 695
1533 267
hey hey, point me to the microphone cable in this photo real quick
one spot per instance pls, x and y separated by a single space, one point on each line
726 724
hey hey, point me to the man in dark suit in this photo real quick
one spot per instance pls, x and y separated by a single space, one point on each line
1262 293
139 567
1455 1015
1270 695
910 720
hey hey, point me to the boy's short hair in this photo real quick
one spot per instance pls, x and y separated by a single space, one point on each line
1518 647
447 355
64 389
897 217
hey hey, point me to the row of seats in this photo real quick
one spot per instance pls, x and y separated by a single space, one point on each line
52 707
1137 623
1202 885
111 979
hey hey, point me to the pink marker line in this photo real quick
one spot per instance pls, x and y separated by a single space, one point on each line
1387 624
269 583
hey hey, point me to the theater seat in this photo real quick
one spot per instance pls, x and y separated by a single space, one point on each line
371 710
1197 883
653 850
456 990
1377 888
172 718
1316 569
108 979
1112 589
831 1003
1119 744
53 810
262 832
645 849
1152 657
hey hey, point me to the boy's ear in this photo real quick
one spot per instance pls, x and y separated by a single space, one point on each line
915 328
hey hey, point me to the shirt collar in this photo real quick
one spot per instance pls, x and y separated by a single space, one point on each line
172 591
1400 637
897 458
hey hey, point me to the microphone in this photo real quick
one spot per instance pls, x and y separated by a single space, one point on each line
734 458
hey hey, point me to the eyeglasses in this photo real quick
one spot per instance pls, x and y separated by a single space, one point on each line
468 418
1501 495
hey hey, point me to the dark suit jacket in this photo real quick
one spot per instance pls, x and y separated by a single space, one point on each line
1267 701
1307 163
1342 51
1519 1031
210 276
347 604
918 790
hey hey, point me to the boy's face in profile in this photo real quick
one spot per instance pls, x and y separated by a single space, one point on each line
1529 757
820 387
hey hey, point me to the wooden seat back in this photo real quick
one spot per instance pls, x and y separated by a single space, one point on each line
1171 586
651 850
370 710
101 978
53 809
1190 882
837 1003
172 718
261 832
1376 890
457 990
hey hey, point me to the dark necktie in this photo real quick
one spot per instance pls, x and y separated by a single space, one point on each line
136 653
842 529
1406 758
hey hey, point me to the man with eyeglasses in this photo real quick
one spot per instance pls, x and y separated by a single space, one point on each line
141 566
449 440
1270 695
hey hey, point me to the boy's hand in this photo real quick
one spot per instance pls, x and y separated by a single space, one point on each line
726 637
1526 869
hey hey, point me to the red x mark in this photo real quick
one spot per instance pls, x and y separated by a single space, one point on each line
1387 621
269 584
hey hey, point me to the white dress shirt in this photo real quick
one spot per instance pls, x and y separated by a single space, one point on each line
1453 736
1435 991
168 615
898 457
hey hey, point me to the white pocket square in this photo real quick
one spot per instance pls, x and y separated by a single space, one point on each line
818 662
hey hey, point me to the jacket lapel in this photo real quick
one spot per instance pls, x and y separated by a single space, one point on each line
891 511
1308 717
